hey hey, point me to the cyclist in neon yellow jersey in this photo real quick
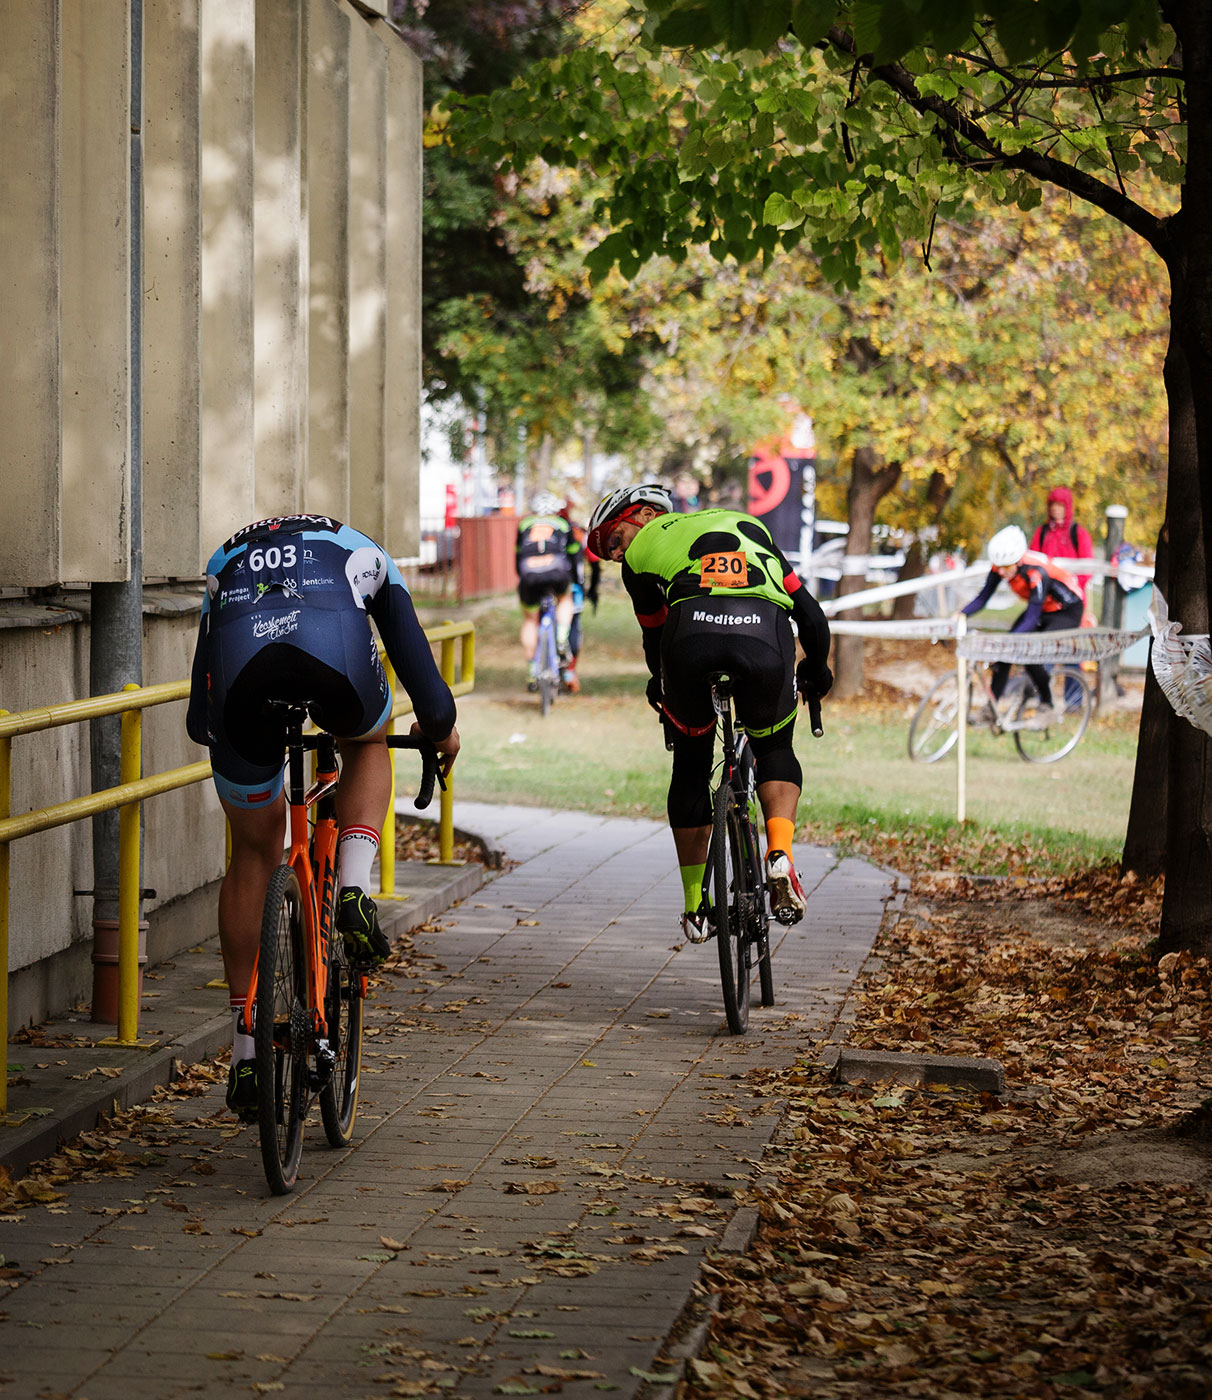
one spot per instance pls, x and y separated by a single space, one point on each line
712 592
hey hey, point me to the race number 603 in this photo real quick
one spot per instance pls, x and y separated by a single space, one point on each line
271 558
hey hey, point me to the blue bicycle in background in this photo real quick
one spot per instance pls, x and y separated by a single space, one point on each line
547 654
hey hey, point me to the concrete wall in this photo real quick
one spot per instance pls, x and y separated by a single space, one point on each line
280 355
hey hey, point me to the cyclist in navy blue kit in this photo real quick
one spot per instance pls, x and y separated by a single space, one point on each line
286 616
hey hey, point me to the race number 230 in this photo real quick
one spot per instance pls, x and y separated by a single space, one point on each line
728 569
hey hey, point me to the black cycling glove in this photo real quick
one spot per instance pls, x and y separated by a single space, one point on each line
813 680
652 693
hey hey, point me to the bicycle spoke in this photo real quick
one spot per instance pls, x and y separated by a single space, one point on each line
1046 739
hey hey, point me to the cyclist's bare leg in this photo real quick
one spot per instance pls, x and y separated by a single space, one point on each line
530 631
258 835
365 787
564 614
690 842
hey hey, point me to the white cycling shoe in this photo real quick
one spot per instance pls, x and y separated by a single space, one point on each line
787 902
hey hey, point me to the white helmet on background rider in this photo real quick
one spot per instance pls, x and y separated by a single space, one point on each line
1007 547
546 503
622 504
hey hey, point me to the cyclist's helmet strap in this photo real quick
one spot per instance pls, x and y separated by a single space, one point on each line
622 505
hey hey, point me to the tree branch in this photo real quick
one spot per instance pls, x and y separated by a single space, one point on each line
957 127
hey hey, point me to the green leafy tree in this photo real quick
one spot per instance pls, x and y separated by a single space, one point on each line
852 126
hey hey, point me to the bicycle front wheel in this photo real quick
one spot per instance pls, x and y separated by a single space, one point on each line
934 728
343 1012
1071 705
282 1031
731 899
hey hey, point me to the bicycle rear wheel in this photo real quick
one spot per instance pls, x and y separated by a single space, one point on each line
343 1012
549 664
934 728
1072 701
730 907
282 1031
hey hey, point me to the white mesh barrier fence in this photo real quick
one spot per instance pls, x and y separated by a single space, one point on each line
1182 665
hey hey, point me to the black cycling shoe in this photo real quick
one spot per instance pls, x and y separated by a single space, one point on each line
358 923
242 1090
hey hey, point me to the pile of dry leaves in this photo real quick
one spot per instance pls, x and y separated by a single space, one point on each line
940 1243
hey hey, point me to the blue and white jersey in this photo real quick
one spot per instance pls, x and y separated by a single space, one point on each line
296 578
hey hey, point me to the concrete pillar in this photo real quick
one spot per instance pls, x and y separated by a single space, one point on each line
367 277
94 284
402 425
173 543
228 40
326 173
280 261
29 294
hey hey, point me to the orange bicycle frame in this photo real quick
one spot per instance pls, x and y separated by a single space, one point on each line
317 875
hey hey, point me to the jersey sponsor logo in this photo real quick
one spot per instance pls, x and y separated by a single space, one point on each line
273 629
234 595
725 619
317 582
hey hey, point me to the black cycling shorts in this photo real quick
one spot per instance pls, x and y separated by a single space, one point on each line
324 657
750 639
543 573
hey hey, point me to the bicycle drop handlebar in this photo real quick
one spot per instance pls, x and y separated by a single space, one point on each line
814 715
430 771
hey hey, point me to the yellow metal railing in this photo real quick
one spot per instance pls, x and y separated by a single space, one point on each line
132 790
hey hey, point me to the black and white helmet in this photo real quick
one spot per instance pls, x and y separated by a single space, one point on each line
622 505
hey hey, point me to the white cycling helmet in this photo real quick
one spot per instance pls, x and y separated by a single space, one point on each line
622 505
546 503
1007 547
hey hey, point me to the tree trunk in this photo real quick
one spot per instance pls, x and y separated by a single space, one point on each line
870 480
937 493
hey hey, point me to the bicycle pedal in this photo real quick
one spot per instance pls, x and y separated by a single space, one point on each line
786 917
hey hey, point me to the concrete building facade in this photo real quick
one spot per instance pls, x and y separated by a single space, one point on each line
267 360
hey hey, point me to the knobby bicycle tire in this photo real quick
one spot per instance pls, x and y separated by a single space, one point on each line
730 901
549 664
343 1012
281 1032
1071 689
934 728
758 934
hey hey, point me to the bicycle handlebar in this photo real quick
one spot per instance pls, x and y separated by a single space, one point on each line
430 768
814 715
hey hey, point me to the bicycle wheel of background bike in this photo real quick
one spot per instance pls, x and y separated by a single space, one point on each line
933 729
281 1031
1071 690
730 901
549 668
343 1012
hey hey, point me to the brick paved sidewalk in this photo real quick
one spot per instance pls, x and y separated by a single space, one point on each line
554 1127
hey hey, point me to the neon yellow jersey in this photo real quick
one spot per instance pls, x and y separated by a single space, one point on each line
716 553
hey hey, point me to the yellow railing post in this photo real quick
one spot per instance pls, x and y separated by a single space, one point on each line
387 842
6 775
446 802
129 883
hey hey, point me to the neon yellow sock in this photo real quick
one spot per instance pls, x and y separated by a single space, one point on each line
779 834
692 886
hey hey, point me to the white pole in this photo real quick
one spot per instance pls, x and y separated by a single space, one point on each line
961 720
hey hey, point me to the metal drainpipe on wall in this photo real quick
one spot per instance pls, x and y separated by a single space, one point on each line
116 630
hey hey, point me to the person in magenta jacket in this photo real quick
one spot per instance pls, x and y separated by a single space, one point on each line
1061 537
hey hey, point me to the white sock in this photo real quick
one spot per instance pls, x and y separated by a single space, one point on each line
243 1047
357 847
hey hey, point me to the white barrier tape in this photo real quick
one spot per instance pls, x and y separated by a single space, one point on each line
933 629
1130 577
1182 665
1034 648
830 606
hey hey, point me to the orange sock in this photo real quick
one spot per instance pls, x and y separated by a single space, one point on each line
779 834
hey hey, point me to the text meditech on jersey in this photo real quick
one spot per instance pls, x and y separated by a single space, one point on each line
750 619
